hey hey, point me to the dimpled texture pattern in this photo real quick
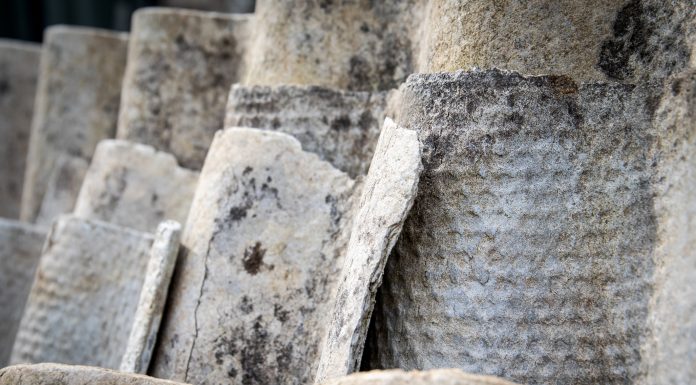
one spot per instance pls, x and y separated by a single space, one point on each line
261 252
528 253
341 127
84 297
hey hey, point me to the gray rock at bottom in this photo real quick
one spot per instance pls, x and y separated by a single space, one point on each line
262 249
429 377
19 72
181 65
136 186
20 250
528 253
76 102
53 374
62 188
341 127
387 196
83 303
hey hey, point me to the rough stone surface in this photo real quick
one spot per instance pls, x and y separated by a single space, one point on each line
82 305
355 45
181 64
62 188
234 6
152 298
19 71
54 374
528 253
136 186
342 127
20 249
430 377
670 351
588 40
387 196
76 104
262 249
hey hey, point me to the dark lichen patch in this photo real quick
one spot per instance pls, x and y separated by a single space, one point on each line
246 306
238 212
563 84
341 123
253 258
280 313
631 33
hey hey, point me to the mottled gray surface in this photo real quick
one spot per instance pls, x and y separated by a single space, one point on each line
356 45
62 188
20 249
181 64
19 72
387 195
234 6
341 127
430 377
670 351
82 305
528 253
54 374
261 251
136 186
76 103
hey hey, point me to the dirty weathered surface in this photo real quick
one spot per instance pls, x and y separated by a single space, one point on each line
62 188
181 64
429 377
355 45
83 302
136 186
528 253
53 374
341 127
670 351
19 72
20 250
387 196
261 251
76 102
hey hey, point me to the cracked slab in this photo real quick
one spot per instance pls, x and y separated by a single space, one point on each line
85 297
50 374
76 102
136 186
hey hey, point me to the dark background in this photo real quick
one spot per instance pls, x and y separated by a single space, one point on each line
26 19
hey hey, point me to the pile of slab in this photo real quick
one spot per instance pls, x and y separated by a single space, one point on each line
320 188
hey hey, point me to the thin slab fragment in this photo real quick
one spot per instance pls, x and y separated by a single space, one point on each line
52 374
20 250
428 377
84 300
62 188
387 196
136 186
19 73
181 64
358 45
528 253
342 127
76 102
262 250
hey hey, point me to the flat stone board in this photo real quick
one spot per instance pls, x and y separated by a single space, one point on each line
262 250
19 72
341 127
181 64
52 374
136 186
20 250
83 303
76 102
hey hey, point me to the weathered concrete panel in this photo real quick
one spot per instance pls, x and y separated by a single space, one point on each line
51 374
62 188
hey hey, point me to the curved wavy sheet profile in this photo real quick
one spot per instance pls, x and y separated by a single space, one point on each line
20 250
76 106
72 375
134 185
97 296
552 225
264 247
19 73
